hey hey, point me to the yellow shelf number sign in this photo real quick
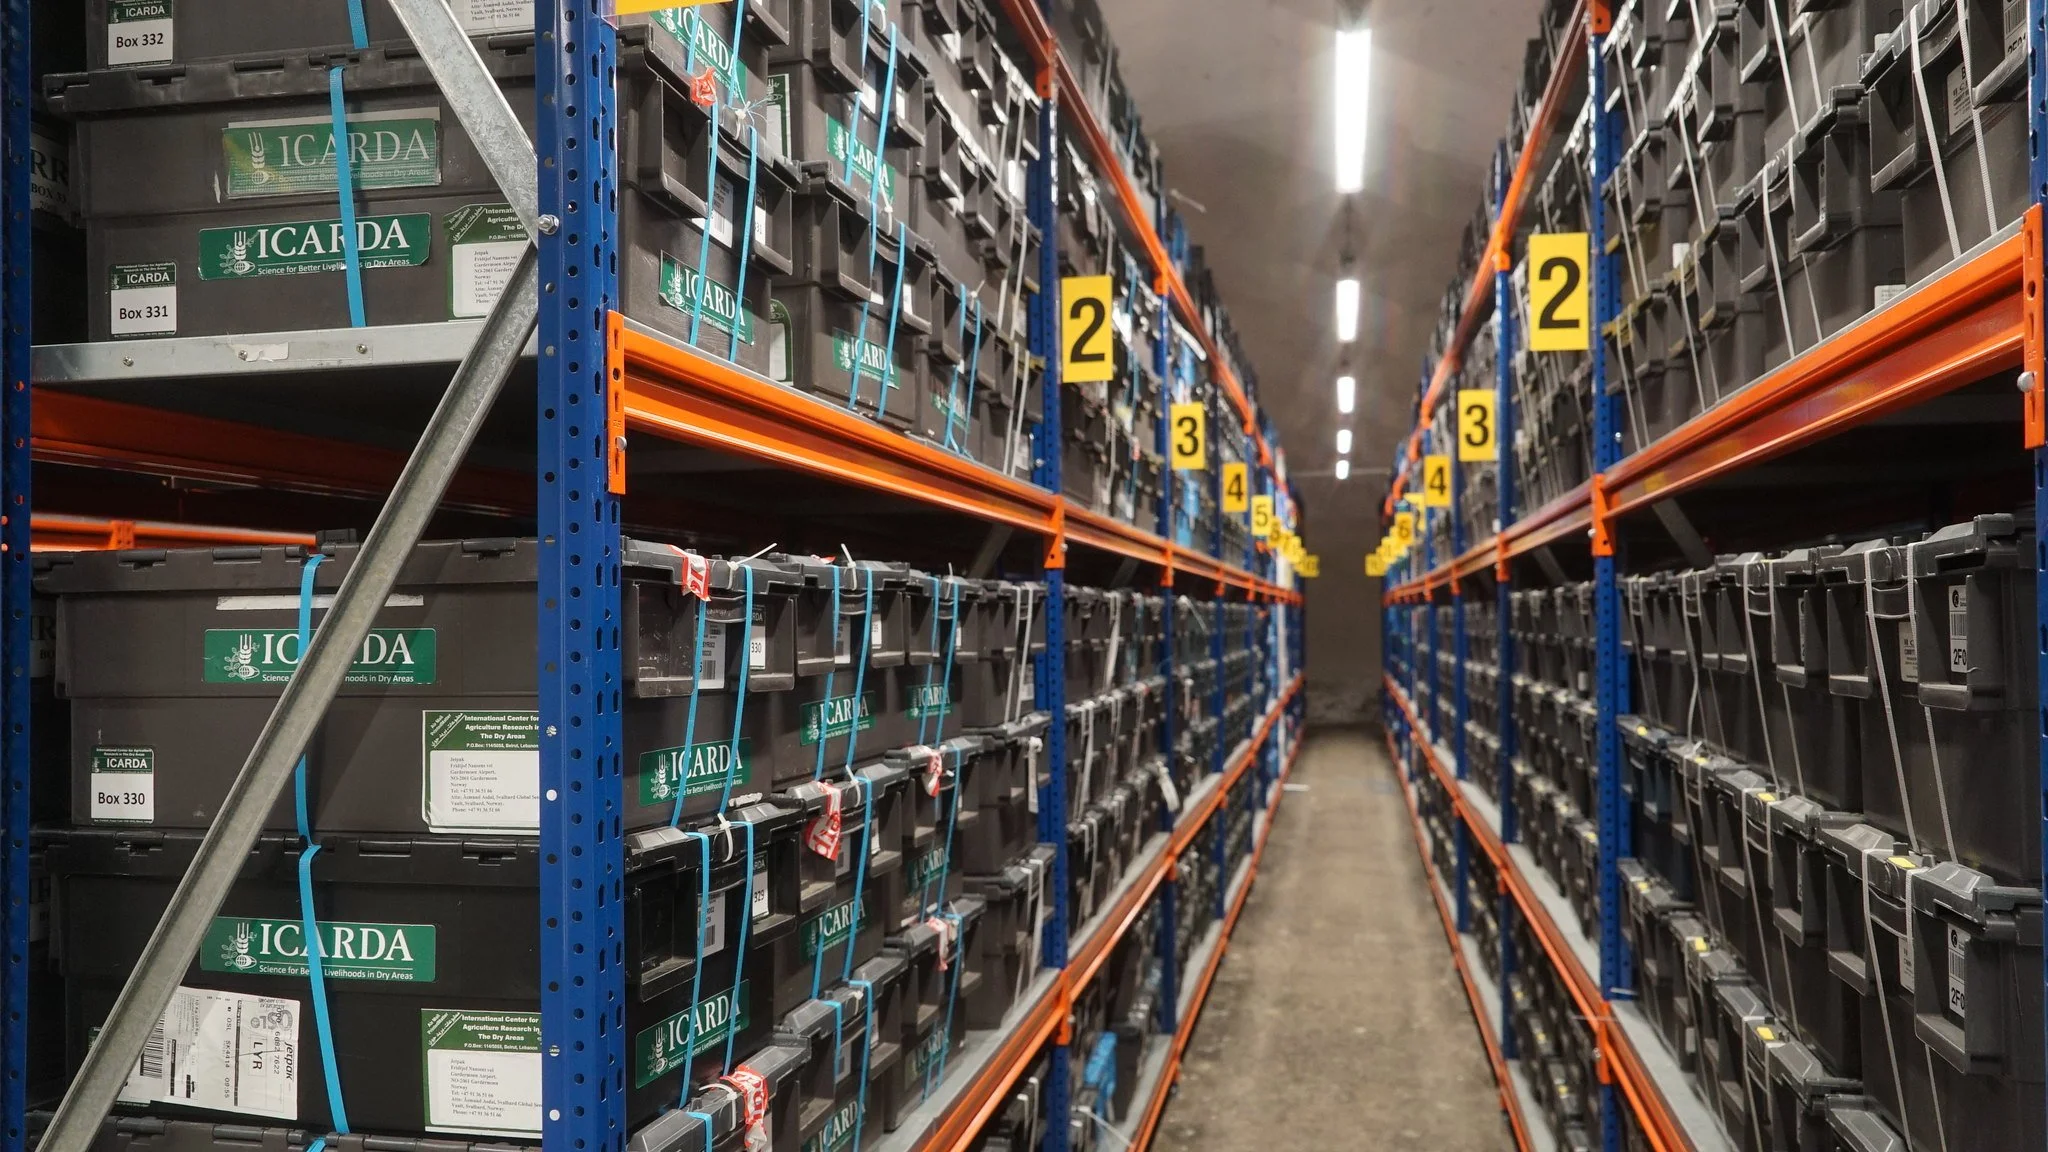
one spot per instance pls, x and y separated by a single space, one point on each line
1236 488
1560 317
1087 342
1311 566
1478 430
1375 565
1436 481
1262 516
1404 531
1189 436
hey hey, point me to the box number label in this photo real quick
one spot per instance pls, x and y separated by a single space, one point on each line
123 782
142 300
139 31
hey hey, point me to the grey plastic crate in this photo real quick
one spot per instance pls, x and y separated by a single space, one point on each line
172 662
817 126
450 903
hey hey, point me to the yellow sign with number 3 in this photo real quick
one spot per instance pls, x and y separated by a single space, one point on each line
1478 430
1188 437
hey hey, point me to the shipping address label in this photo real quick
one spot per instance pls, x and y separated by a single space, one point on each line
481 771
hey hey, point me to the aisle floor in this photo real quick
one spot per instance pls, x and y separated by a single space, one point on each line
1337 1020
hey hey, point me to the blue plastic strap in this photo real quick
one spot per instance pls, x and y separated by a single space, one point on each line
973 366
703 1118
704 234
739 972
739 706
860 879
867 1048
831 670
924 714
746 248
697 967
953 389
960 768
690 721
358 29
952 989
875 180
895 311
345 195
309 926
860 672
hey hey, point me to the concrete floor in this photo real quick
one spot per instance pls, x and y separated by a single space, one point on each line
1337 1020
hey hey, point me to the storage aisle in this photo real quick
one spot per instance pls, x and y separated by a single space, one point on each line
1336 1005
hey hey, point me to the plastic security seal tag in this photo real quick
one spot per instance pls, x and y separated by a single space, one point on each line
822 834
704 88
945 930
697 576
752 1089
934 768
1167 788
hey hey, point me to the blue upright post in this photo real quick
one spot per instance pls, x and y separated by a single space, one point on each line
583 1070
18 299
1615 979
1504 657
2037 128
1043 206
1169 739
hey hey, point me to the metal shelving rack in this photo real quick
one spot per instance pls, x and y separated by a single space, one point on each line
602 384
1981 316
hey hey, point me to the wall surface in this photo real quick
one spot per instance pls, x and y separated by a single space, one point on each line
1237 96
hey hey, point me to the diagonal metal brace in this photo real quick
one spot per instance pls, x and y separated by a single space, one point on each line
481 108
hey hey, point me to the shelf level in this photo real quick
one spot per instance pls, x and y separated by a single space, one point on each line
1963 325
1671 1113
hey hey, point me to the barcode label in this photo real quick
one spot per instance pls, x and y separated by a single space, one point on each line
711 667
153 1051
1958 957
1909 653
1958 628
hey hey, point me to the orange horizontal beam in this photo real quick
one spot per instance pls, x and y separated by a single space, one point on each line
1500 241
1642 1092
1964 326
58 532
68 428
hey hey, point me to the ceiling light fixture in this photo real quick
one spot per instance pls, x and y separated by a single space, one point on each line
1343 441
1343 469
1354 74
1347 394
1347 310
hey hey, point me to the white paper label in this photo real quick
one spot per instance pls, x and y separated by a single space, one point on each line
757 653
479 274
1905 964
711 669
221 1050
1884 294
483 1072
123 783
1909 653
136 35
714 925
1958 629
483 17
481 771
760 901
142 300
1167 787
875 636
1960 101
842 649
1958 957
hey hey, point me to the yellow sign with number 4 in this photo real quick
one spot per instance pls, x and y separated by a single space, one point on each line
1236 489
1188 437
1436 481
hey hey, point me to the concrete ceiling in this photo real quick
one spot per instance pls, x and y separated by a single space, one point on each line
1238 98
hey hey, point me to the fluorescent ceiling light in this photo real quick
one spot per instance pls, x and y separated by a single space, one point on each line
1354 73
1343 469
1347 310
1343 441
1347 394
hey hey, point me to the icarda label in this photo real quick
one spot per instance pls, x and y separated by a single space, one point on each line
255 946
299 247
270 656
669 1045
700 769
399 149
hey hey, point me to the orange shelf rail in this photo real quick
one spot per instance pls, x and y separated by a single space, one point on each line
1960 327
1641 1090
678 394
1156 1106
1568 68
56 532
957 1131
1057 77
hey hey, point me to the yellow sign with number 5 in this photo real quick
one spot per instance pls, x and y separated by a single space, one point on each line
1236 489
1189 436
1478 431
1436 481
1262 516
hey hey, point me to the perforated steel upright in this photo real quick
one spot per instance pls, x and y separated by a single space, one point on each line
1609 683
1503 588
2037 400
1169 732
16 300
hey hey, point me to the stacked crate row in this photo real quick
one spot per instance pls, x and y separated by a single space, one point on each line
833 773
1786 169
1834 786
831 195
